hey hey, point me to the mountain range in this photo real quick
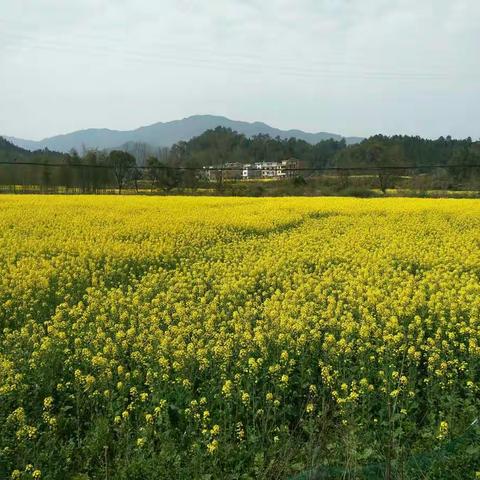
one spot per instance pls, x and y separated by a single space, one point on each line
165 134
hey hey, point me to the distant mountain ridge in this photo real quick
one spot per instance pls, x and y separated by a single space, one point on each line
165 134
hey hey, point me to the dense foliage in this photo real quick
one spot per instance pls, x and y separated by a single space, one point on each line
147 338
90 173
222 145
16 174
448 162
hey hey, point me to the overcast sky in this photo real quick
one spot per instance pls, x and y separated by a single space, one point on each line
354 67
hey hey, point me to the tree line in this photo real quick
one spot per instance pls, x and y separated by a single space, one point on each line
181 165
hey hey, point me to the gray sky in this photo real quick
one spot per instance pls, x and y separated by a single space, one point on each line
354 67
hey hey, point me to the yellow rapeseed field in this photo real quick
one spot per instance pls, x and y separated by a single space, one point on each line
237 338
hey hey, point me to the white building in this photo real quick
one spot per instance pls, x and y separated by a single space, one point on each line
251 170
282 169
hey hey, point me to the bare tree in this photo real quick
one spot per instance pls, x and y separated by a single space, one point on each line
384 158
122 164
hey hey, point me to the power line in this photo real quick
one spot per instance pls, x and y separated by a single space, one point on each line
108 44
376 168
247 64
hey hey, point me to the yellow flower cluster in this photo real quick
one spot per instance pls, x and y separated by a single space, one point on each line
215 321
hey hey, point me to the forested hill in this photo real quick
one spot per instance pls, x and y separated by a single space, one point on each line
456 162
12 153
461 157
222 145
8 149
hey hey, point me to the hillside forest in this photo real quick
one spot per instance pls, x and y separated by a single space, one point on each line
379 163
